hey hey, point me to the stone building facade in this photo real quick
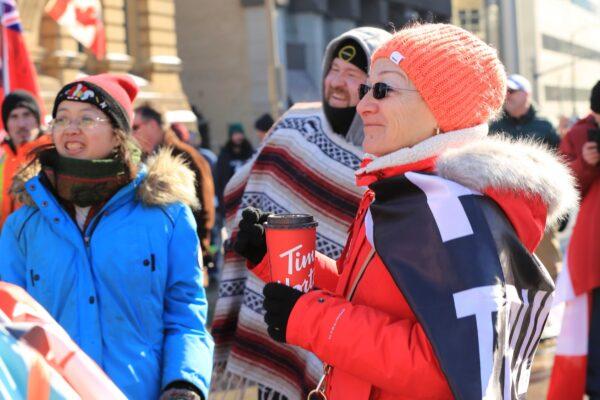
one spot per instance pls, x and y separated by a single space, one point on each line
140 39
227 47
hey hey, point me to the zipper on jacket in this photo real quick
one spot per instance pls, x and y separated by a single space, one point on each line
87 236
152 262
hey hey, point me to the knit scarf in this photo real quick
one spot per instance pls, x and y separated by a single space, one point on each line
85 183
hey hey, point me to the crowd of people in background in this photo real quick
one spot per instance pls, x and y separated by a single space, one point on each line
116 220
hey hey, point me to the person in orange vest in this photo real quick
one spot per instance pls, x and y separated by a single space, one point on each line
21 118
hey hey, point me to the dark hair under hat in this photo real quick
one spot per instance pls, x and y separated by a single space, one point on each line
595 98
351 51
264 122
16 99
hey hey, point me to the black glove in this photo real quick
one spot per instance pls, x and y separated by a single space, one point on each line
279 302
250 242
207 260
181 390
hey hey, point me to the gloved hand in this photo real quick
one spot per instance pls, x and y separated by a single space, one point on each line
251 242
279 302
181 390
207 260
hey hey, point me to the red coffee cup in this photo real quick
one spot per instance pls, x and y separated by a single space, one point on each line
291 241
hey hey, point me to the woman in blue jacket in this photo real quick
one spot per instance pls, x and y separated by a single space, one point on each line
109 247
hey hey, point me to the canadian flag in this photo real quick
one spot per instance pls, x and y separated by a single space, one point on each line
568 378
16 69
83 18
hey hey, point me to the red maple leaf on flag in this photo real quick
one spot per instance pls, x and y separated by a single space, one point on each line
86 16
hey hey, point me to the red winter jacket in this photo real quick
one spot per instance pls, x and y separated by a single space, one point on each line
376 346
584 255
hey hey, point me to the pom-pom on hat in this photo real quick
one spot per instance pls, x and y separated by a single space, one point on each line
459 76
112 93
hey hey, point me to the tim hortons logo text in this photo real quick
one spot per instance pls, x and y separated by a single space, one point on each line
299 267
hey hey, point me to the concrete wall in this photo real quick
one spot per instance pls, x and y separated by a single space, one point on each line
216 76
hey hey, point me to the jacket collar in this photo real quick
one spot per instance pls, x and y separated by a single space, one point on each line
531 185
420 157
523 119
163 180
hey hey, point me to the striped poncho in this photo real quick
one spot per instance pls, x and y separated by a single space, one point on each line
302 167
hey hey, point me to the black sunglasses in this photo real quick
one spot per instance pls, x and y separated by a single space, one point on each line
380 90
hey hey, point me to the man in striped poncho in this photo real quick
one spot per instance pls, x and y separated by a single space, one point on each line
305 165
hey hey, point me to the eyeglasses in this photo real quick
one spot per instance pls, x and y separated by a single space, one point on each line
62 123
380 90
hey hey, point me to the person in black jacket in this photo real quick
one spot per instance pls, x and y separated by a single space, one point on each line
233 155
520 119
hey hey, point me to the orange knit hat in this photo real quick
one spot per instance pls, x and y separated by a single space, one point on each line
459 76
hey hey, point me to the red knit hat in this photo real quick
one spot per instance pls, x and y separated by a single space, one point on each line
112 93
459 76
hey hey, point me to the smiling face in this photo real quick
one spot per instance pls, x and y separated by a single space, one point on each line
401 119
93 142
341 84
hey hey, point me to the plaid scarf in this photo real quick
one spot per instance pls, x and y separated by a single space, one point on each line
84 182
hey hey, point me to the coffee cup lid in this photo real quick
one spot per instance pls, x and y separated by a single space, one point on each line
287 220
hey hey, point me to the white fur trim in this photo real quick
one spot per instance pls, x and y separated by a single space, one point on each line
523 166
432 147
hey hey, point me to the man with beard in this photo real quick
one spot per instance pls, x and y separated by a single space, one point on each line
305 165
21 118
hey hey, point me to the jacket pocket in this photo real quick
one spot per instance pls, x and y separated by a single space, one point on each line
51 276
125 264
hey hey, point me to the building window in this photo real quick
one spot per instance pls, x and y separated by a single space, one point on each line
475 19
462 17
469 19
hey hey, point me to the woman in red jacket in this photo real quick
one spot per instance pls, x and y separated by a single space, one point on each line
437 294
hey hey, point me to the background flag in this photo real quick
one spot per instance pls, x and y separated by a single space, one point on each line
83 18
15 65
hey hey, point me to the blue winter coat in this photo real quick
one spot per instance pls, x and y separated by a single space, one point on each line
128 290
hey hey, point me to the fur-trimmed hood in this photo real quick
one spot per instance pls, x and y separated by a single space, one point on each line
166 180
531 183
525 167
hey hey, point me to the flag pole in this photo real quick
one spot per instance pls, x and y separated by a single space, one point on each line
5 72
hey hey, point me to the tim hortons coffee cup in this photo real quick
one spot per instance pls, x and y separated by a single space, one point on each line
291 240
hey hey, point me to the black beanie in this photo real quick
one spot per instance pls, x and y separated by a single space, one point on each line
264 123
595 98
351 51
16 99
